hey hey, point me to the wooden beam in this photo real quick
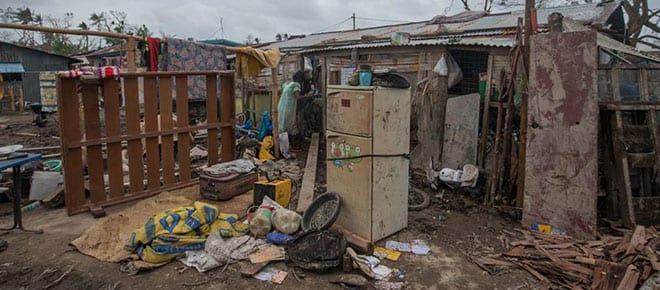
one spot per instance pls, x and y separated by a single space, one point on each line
306 195
12 101
21 100
68 31
481 158
275 99
130 54
621 159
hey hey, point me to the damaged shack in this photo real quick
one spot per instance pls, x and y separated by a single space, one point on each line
534 147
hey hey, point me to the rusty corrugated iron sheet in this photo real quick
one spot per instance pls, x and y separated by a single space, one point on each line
487 25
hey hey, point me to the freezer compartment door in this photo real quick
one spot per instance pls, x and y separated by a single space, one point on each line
351 179
350 112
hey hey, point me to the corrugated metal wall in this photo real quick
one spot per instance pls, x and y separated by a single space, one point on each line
34 62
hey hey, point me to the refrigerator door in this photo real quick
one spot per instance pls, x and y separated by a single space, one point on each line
350 111
351 179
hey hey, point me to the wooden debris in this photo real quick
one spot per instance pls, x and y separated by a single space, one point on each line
306 195
563 262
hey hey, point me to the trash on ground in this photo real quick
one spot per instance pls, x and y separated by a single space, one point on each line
420 247
267 254
383 253
381 272
278 238
172 232
398 246
317 250
548 229
279 277
351 280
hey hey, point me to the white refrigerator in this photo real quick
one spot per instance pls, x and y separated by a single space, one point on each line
367 146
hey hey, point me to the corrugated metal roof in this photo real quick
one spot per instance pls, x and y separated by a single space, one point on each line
606 42
492 41
487 25
11 67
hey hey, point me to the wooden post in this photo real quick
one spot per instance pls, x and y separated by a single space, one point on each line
21 100
12 101
2 87
522 144
481 157
130 54
275 99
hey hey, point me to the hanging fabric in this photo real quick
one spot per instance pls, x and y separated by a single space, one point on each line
153 45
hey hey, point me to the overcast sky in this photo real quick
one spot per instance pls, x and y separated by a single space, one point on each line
200 19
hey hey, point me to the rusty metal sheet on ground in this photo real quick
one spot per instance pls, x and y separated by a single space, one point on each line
561 165
461 131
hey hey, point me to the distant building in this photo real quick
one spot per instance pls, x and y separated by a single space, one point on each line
20 67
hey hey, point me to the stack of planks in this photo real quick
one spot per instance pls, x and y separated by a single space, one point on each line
564 262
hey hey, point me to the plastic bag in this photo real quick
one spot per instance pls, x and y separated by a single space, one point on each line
448 67
286 221
284 144
441 67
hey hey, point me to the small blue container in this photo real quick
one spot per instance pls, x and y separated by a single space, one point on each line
365 78
278 238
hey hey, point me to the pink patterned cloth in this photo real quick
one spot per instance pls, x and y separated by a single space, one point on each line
98 72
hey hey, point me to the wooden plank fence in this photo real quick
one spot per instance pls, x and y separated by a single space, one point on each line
95 126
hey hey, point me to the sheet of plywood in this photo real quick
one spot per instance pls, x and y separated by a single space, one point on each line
461 131
561 165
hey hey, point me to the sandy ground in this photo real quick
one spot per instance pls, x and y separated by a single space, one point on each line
455 226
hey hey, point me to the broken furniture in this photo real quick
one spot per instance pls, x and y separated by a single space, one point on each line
15 164
367 140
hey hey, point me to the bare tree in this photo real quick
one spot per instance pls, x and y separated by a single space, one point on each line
641 20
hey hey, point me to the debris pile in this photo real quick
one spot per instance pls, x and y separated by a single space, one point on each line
562 261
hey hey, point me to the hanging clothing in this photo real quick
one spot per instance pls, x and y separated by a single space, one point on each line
250 61
286 109
153 45
185 55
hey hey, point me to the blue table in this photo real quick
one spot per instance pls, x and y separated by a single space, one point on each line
16 164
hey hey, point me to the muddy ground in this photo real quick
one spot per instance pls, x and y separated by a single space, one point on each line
456 226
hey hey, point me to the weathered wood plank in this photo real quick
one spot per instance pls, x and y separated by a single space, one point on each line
135 161
90 100
306 195
212 117
151 125
183 140
621 158
69 112
227 115
112 103
166 123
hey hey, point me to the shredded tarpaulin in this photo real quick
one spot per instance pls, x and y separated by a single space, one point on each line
174 231
250 61
91 71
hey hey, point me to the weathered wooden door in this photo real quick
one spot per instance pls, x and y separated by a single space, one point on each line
562 158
